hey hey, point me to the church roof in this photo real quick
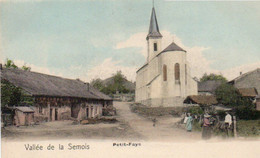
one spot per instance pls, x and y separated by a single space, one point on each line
173 47
154 28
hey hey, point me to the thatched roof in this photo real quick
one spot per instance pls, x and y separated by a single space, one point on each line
208 86
37 84
201 99
248 92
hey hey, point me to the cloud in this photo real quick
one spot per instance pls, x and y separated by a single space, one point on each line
199 64
109 67
39 69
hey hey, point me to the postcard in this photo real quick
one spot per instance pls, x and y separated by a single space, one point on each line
130 78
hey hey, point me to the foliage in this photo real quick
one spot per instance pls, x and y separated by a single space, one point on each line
248 127
10 64
26 68
213 77
12 95
247 113
98 84
116 86
229 96
195 110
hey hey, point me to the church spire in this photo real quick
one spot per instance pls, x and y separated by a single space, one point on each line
154 28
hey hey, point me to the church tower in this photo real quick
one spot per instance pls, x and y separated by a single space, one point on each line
154 38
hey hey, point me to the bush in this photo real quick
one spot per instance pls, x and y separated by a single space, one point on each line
195 110
247 113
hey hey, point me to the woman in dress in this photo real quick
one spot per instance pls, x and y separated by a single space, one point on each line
189 123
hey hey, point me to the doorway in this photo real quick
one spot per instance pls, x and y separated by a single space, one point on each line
87 110
51 114
56 114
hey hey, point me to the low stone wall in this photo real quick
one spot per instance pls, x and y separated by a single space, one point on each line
164 102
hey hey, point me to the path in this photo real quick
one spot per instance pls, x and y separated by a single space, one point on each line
164 130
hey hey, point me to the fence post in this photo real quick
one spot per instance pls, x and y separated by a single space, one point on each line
235 126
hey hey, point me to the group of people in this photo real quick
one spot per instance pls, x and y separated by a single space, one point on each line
207 124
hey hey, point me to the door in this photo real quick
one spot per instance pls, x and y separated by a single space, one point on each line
87 112
51 114
56 114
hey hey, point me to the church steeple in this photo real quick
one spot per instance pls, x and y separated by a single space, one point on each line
154 28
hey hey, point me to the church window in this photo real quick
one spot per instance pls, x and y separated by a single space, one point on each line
164 73
155 47
177 71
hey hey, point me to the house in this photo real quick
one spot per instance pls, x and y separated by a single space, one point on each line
164 80
208 87
248 80
57 98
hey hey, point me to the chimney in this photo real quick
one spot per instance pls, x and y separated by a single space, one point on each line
240 73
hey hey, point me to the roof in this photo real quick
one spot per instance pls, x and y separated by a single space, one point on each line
24 109
201 99
142 67
154 28
208 86
245 74
37 84
173 47
248 92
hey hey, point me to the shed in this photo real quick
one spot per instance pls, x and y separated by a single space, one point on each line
23 116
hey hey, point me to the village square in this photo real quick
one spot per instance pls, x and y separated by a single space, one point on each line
164 103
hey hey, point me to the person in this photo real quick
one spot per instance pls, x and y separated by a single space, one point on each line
154 121
228 123
185 118
206 129
189 123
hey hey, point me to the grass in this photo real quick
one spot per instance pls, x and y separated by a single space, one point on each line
156 111
248 128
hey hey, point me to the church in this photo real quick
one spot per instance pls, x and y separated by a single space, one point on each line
164 80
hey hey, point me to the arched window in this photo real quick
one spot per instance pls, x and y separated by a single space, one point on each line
164 73
177 71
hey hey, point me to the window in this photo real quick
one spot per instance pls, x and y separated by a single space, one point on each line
164 73
40 110
177 71
155 47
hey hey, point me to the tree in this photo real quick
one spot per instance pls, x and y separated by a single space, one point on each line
10 64
13 96
213 77
98 84
26 68
228 95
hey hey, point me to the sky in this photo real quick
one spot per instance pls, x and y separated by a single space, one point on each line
90 39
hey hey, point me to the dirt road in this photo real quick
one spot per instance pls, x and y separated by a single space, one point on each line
130 126
165 129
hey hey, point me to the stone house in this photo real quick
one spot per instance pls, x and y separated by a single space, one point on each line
248 80
164 80
57 98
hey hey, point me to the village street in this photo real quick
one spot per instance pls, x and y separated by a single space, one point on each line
130 126
165 129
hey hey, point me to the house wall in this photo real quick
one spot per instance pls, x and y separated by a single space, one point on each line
249 81
258 104
68 108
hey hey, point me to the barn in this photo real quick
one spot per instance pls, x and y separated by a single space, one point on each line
57 98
